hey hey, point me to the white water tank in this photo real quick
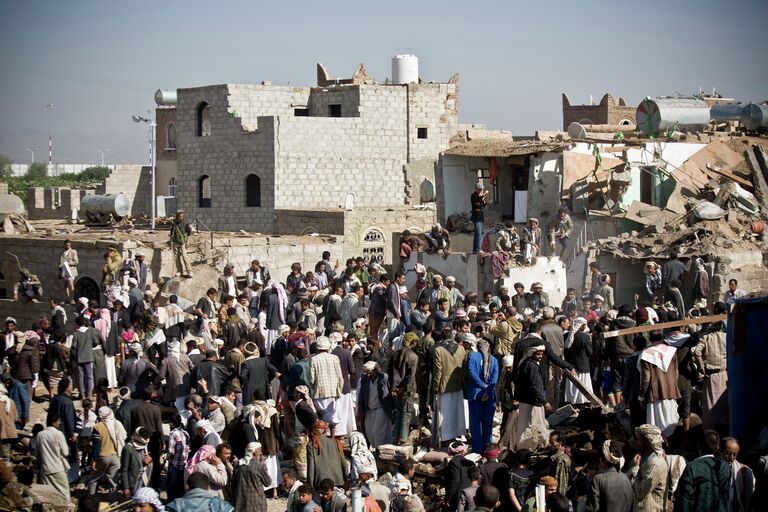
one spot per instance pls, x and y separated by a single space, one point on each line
165 96
405 69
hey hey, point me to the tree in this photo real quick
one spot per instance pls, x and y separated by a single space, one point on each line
37 170
5 165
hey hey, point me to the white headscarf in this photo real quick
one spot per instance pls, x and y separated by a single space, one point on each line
116 430
362 458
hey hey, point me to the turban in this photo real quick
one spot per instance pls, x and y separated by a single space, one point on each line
508 361
470 338
611 458
548 481
323 343
599 297
491 453
409 339
641 315
457 447
653 434
370 365
147 495
83 301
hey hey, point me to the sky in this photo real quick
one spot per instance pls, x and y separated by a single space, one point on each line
99 62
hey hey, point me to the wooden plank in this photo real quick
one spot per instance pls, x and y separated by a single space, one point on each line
741 181
666 325
586 392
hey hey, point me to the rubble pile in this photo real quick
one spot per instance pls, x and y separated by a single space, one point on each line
721 215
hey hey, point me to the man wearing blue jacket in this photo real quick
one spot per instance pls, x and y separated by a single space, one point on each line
482 375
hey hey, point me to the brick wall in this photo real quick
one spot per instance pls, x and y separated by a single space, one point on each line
307 162
608 111
164 116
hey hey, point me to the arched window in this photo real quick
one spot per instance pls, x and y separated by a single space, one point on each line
252 191
203 120
204 191
373 244
172 187
87 287
170 137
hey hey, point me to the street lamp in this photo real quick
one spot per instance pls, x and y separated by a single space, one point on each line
152 124
32 150
50 108
102 151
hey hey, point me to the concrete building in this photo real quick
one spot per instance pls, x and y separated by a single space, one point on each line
608 111
260 157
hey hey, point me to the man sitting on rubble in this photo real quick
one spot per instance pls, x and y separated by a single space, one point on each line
508 239
531 240
29 287
559 231
438 239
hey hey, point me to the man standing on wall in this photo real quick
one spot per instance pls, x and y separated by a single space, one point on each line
479 200
180 233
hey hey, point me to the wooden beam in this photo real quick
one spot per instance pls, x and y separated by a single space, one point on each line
677 323
738 179
586 392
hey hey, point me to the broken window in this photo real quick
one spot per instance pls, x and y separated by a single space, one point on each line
172 187
203 120
204 191
252 191
421 133
301 112
170 137
334 110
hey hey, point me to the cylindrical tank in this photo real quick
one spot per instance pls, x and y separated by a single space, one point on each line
405 69
659 114
754 117
165 97
726 111
116 205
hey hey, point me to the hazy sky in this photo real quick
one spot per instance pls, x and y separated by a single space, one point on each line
99 62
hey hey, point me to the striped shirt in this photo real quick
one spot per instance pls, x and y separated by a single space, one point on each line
178 448
650 485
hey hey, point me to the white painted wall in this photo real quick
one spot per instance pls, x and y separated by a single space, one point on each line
550 272
459 182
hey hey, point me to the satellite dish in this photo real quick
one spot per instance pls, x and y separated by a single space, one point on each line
349 202
576 131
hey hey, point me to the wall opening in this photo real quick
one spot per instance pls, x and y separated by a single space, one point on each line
203 120
87 287
301 112
172 187
3 291
204 191
421 133
170 137
252 191
334 110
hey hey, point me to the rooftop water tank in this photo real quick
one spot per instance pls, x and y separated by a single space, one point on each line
405 69
754 117
660 114
726 111
165 97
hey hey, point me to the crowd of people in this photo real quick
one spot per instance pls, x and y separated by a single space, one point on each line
263 386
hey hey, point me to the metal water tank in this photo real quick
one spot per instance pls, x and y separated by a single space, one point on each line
405 69
726 111
659 114
754 117
165 96
116 205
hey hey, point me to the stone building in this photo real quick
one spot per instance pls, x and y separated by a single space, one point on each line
261 158
608 111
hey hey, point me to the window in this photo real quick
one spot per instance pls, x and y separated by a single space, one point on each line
204 191
203 120
334 110
373 246
301 112
252 191
170 137
421 133
172 187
